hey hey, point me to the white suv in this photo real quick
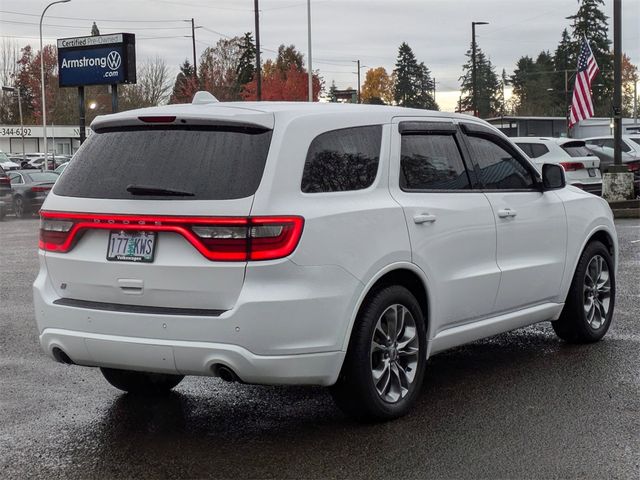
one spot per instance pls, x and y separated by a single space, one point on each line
582 167
297 243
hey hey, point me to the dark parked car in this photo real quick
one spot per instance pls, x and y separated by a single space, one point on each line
30 188
629 160
5 193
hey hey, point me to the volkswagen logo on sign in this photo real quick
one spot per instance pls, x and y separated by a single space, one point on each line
114 60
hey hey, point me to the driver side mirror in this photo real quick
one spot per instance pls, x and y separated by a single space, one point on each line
553 177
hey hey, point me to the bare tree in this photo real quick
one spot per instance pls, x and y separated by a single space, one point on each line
153 87
9 55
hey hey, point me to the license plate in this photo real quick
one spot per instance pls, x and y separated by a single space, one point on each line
592 172
131 246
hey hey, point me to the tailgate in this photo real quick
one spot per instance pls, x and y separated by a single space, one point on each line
152 215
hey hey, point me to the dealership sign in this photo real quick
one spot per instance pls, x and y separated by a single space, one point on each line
97 60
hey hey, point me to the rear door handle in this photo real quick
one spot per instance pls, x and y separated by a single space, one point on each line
424 218
507 213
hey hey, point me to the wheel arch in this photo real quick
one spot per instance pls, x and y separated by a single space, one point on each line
406 274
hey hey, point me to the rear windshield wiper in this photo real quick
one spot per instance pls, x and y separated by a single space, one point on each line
157 191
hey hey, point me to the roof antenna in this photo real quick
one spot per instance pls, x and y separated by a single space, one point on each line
203 97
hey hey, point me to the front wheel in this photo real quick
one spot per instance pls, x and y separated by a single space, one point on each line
587 313
143 383
384 367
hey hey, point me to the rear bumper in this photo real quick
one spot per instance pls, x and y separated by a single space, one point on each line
192 358
287 327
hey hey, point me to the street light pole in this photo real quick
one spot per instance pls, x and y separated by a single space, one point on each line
474 77
617 82
16 91
44 106
310 73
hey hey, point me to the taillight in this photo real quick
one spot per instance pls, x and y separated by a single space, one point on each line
572 166
40 189
633 166
217 238
5 181
54 234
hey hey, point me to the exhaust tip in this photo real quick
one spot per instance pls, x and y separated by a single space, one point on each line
226 374
62 357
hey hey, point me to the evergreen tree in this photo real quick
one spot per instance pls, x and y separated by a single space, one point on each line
533 86
489 95
564 60
413 82
247 63
186 84
591 22
332 92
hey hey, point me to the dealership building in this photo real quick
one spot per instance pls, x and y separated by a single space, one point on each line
63 139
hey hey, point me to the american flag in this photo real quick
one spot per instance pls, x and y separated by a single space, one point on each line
582 105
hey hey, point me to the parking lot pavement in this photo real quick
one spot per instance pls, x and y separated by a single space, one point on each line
522 404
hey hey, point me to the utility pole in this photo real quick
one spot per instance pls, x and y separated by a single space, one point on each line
193 43
358 67
258 65
434 90
310 73
474 77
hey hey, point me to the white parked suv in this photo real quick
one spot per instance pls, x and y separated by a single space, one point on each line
298 243
582 167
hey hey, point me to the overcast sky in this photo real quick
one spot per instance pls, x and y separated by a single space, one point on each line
439 31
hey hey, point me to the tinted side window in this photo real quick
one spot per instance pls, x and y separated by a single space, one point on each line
534 150
499 170
432 162
342 160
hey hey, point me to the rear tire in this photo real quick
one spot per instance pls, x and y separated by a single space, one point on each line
141 383
588 310
384 368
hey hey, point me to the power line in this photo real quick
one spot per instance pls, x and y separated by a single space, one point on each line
91 19
84 27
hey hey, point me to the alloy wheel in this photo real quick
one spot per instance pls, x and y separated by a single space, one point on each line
395 352
597 292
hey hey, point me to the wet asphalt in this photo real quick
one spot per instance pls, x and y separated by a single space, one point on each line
519 405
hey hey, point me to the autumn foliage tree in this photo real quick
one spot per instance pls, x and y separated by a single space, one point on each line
285 79
377 87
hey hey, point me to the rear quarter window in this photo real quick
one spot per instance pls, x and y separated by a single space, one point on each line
576 149
212 163
342 160
533 150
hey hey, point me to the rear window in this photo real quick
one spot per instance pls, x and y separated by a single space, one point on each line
533 150
576 149
210 163
342 160
43 176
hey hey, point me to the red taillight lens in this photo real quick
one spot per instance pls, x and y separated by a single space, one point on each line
275 237
54 234
5 181
217 238
572 166
633 166
40 189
